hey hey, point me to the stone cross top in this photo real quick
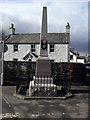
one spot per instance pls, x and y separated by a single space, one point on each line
43 36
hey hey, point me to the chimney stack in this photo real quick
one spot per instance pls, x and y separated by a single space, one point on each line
12 29
67 28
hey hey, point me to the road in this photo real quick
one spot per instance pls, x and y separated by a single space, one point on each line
76 107
7 109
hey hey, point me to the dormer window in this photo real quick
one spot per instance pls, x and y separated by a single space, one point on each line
33 48
15 47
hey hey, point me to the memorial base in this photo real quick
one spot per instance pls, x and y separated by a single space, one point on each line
42 87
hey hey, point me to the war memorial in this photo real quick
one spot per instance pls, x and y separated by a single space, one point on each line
43 87
42 83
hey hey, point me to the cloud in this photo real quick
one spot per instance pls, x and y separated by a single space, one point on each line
81 47
27 18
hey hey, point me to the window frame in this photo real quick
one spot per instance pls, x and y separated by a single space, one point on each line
51 48
33 48
15 47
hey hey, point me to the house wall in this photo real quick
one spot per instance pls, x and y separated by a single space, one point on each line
59 55
80 61
75 59
22 51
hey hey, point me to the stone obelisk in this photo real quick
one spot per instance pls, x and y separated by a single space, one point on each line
43 35
43 65
42 84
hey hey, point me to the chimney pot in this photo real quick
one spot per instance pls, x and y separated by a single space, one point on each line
68 28
12 29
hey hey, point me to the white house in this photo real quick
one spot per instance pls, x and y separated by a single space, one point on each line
75 57
25 47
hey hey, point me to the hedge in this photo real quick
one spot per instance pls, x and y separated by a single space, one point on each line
74 73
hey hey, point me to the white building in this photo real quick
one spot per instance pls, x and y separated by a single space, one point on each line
25 47
75 57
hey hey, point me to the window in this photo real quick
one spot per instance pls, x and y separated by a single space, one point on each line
71 57
15 47
32 48
51 48
15 59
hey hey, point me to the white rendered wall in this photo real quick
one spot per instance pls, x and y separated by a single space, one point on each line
60 53
8 55
23 49
80 61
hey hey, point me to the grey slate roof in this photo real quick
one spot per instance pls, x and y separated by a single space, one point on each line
30 54
81 57
74 52
35 38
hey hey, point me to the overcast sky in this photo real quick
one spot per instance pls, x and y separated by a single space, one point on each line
26 15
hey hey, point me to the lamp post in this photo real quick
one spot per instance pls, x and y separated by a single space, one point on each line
2 59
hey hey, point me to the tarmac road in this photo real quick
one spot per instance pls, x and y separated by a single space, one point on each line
76 107
7 109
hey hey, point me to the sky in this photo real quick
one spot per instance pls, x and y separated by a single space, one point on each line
27 15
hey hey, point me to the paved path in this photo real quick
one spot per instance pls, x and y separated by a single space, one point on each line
76 107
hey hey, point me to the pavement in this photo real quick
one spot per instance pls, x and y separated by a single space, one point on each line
76 107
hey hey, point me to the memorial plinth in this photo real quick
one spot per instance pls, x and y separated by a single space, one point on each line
43 67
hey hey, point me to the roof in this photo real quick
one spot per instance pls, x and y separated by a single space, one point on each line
31 55
35 38
81 57
74 52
